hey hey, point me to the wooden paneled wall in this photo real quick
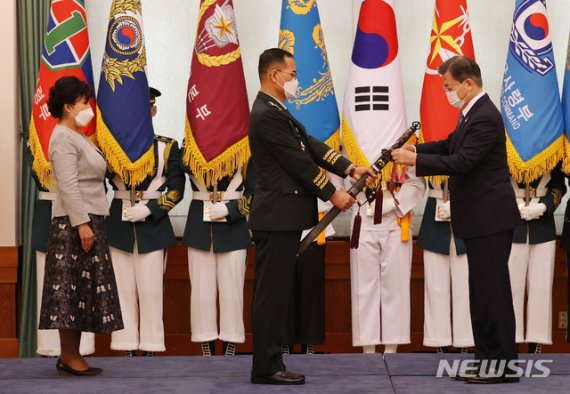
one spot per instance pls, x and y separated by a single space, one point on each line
8 301
338 320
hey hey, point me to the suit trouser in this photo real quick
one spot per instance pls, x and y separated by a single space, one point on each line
531 268
491 301
380 271
140 287
446 297
273 298
310 295
48 340
568 293
210 274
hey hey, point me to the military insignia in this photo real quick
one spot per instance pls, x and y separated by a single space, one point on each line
530 37
219 32
125 39
320 180
302 7
331 156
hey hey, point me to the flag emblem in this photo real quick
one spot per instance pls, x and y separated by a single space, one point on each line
376 42
530 38
125 36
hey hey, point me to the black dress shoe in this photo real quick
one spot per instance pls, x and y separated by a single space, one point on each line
280 377
65 370
463 378
493 379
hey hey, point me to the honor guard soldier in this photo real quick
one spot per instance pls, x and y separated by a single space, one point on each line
138 236
531 263
217 237
48 340
446 291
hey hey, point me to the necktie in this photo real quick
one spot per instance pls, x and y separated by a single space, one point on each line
461 119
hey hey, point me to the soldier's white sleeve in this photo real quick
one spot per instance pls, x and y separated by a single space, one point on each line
411 192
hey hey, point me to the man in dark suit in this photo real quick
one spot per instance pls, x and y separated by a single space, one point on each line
483 210
288 181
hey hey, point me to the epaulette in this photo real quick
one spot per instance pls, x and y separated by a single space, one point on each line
273 105
163 138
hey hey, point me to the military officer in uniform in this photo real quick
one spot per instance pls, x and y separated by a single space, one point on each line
446 291
217 237
138 236
48 340
531 264
288 180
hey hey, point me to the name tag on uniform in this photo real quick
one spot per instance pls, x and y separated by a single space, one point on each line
206 217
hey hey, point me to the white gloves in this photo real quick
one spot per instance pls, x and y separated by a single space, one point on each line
137 213
218 211
532 211
444 211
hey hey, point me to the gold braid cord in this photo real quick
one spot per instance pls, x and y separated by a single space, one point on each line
217 61
122 6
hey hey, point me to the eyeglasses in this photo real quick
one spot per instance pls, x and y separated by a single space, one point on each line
291 73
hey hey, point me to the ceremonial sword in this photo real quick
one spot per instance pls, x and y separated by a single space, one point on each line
385 158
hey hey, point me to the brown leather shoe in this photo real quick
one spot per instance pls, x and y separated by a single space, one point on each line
280 377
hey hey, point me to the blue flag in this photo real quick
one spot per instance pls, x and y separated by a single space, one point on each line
301 34
124 122
530 101
566 108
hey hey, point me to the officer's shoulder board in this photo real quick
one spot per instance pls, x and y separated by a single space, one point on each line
169 142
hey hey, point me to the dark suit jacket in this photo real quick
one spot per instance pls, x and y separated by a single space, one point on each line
474 156
221 236
288 177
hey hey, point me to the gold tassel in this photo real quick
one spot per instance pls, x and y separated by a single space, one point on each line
131 173
334 140
405 223
223 165
321 238
40 165
540 164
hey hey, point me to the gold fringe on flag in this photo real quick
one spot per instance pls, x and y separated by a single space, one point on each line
405 223
223 165
566 159
131 173
545 161
334 140
40 165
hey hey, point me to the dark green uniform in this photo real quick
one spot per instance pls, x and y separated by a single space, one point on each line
156 231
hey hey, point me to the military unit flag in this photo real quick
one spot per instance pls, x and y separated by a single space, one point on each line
65 53
566 109
530 100
301 34
124 122
217 109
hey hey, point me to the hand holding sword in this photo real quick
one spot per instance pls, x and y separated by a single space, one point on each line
362 181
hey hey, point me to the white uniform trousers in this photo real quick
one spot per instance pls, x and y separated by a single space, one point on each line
48 340
140 285
446 297
531 268
380 271
212 274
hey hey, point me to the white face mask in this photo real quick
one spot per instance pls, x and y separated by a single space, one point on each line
84 117
454 99
291 88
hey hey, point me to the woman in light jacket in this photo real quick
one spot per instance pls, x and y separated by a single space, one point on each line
80 292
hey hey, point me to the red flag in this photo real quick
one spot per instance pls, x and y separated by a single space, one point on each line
450 36
217 110
65 53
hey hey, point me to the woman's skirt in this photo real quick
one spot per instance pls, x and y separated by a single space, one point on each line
80 291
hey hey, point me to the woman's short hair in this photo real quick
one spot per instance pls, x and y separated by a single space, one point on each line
462 68
67 90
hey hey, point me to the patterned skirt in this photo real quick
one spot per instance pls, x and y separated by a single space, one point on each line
80 291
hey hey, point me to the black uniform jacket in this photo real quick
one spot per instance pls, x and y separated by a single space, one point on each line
156 231
288 175
227 236
543 229
436 236
474 156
